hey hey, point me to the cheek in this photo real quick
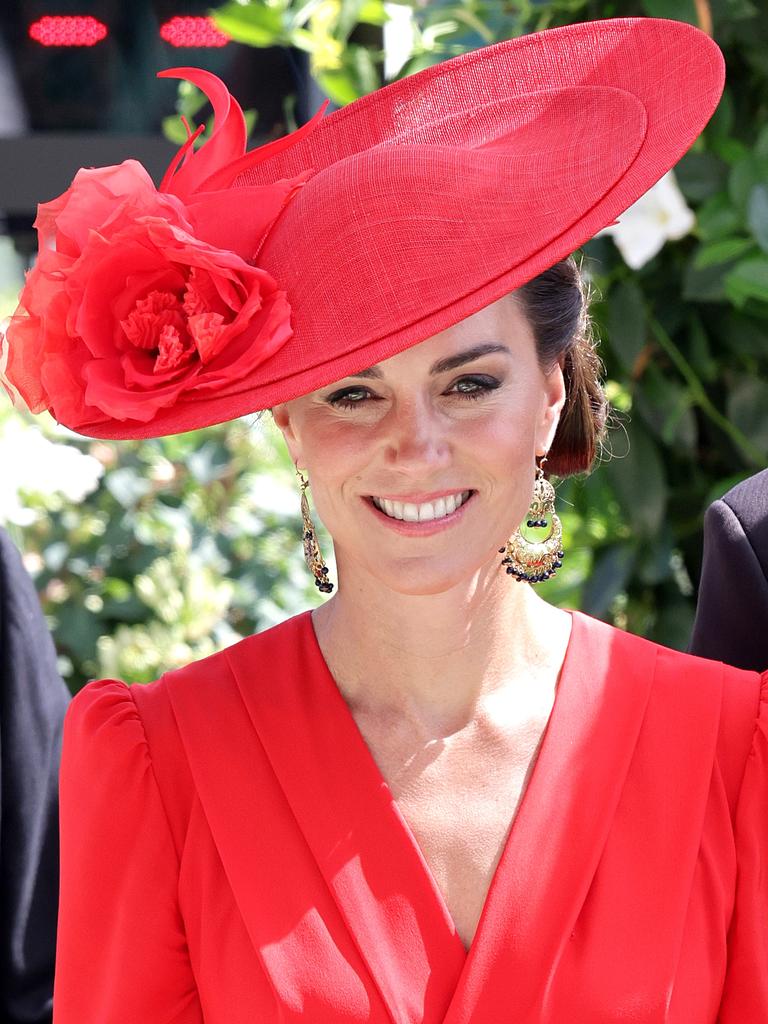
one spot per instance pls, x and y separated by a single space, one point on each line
336 456
335 447
505 430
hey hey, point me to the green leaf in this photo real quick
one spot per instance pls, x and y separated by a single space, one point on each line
700 175
653 564
673 628
372 12
665 405
744 177
174 130
724 251
609 576
718 218
256 24
639 482
757 215
299 13
761 145
626 322
747 406
721 123
340 86
349 16
418 62
705 285
747 280
364 69
700 350
679 10
742 335
432 33
730 150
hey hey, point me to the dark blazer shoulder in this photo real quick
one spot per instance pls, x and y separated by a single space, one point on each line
748 501
732 612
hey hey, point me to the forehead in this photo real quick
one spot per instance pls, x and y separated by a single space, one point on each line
500 328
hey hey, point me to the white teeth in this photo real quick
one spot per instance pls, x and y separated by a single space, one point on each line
412 513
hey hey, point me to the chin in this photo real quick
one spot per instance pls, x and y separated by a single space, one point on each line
418 579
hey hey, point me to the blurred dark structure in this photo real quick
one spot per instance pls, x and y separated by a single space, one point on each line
63 107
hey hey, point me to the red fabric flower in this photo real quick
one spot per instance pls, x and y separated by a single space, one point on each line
140 295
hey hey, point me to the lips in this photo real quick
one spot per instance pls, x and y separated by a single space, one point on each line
413 512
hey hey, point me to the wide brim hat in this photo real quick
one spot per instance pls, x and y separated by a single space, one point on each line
248 279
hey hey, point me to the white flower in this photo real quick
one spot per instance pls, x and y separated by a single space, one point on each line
30 463
657 216
398 38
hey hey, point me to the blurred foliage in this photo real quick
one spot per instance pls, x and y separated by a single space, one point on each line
188 542
185 544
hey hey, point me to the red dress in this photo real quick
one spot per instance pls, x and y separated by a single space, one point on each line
231 853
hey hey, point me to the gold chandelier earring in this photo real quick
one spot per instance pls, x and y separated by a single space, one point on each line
534 552
312 555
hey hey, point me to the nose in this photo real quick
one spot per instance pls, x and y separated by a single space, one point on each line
416 438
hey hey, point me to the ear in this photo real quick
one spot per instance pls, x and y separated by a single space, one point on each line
554 400
286 423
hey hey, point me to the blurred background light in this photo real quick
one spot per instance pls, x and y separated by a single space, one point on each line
192 31
67 30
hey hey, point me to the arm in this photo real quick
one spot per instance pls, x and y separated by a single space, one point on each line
33 700
122 954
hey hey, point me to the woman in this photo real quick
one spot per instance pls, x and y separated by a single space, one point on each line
436 798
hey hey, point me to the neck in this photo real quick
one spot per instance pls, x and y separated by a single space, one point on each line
436 658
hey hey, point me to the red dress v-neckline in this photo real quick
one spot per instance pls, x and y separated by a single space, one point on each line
375 869
400 817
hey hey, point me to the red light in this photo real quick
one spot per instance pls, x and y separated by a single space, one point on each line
67 31
193 31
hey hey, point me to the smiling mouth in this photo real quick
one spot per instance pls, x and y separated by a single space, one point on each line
426 512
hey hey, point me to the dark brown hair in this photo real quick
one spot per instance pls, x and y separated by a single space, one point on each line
556 304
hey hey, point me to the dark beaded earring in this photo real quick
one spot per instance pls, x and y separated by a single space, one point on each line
312 555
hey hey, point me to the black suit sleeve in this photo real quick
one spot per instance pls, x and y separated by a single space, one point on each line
33 700
732 614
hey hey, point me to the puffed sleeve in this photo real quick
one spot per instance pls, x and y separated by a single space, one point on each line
121 949
745 994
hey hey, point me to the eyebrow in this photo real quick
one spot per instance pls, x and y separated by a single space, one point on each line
449 363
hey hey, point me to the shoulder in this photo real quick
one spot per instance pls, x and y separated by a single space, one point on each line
689 695
732 694
743 510
104 706
749 499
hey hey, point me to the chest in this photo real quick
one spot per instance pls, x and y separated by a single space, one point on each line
459 797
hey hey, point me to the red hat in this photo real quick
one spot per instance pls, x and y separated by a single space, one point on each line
248 279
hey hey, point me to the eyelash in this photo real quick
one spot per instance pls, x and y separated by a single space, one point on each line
484 385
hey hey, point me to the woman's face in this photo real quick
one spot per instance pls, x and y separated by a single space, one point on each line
457 420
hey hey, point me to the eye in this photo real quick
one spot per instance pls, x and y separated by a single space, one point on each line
477 386
348 398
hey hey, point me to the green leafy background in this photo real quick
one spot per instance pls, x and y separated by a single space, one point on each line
189 542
